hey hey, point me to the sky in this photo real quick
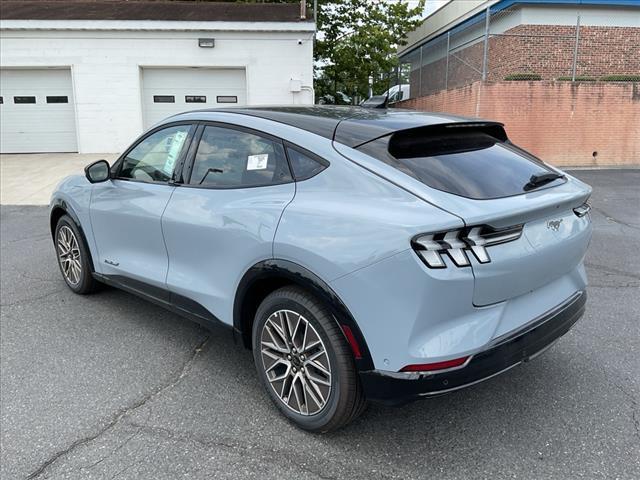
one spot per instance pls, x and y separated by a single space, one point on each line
431 5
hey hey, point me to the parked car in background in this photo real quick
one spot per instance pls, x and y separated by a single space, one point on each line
340 98
398 93
363 255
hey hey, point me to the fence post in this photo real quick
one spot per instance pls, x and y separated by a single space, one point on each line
575 50
485 55
446 72
420 74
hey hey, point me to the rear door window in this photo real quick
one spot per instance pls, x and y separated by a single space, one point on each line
230 158
472 163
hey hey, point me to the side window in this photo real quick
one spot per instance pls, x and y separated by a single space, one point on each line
229 158
155 157
303 165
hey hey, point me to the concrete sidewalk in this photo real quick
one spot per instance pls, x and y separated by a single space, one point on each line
29 179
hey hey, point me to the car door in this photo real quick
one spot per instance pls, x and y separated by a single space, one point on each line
126 211
223 219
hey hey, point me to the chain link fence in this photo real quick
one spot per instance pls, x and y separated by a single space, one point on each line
511 45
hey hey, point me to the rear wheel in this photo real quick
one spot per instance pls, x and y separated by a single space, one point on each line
73 257
304 361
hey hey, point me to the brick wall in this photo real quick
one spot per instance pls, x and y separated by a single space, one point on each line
563 123
543 49
548 51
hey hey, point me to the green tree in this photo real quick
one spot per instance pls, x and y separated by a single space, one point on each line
358 39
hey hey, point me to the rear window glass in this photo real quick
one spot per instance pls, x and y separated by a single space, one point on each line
466 162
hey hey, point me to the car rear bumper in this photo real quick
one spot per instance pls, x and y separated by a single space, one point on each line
501 355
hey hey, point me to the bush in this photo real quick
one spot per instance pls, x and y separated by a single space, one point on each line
579 78
523 76
620 78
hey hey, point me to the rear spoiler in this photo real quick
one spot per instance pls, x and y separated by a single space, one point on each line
445 138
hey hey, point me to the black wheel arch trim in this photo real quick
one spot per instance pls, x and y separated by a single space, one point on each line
61 204
298 275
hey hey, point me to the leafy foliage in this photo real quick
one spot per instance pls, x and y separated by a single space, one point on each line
579 78
523 76
358 39
620 78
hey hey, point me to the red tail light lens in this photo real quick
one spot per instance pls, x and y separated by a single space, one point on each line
431 367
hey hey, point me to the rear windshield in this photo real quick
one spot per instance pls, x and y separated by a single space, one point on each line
469 162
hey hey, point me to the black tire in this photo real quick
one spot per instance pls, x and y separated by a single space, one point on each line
345 400
85 282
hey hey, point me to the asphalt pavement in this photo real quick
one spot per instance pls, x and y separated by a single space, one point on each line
109 386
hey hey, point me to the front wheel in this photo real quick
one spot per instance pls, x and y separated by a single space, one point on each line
73 257
304 361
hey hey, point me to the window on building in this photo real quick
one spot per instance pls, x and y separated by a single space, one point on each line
58 99
24 99
164 99
195 99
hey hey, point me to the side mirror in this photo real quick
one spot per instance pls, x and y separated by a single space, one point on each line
98 171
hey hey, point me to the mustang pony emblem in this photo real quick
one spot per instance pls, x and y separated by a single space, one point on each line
554 225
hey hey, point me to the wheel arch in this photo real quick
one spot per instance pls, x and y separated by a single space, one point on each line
59 208
269 275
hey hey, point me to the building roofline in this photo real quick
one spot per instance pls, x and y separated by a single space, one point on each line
156 25
473 15
162 10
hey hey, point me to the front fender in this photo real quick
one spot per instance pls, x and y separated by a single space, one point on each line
73 197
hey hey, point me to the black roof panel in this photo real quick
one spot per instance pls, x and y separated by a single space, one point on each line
351 126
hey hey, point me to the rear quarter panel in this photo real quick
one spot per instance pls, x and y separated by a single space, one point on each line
346 218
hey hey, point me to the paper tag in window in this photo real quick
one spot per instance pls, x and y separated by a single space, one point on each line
174 150
257 162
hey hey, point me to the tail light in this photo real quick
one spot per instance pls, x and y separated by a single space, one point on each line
457 243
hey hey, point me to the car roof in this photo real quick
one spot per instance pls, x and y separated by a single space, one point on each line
351 126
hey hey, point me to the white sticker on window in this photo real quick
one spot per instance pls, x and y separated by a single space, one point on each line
174 150
257 162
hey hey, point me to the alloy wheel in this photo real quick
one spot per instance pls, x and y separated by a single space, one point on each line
69 255
296 362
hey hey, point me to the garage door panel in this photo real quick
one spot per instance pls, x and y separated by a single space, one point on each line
168 91
26 142
48 124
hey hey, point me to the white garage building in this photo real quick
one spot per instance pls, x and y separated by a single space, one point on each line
90 75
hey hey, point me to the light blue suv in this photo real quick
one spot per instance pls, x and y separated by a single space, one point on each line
362 254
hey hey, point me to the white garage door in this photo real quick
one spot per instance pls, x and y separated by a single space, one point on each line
37 111
167 91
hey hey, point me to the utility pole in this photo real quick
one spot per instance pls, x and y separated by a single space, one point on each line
485 56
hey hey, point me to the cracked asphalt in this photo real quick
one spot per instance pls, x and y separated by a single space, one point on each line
108 386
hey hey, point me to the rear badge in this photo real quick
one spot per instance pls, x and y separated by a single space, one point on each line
554 225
